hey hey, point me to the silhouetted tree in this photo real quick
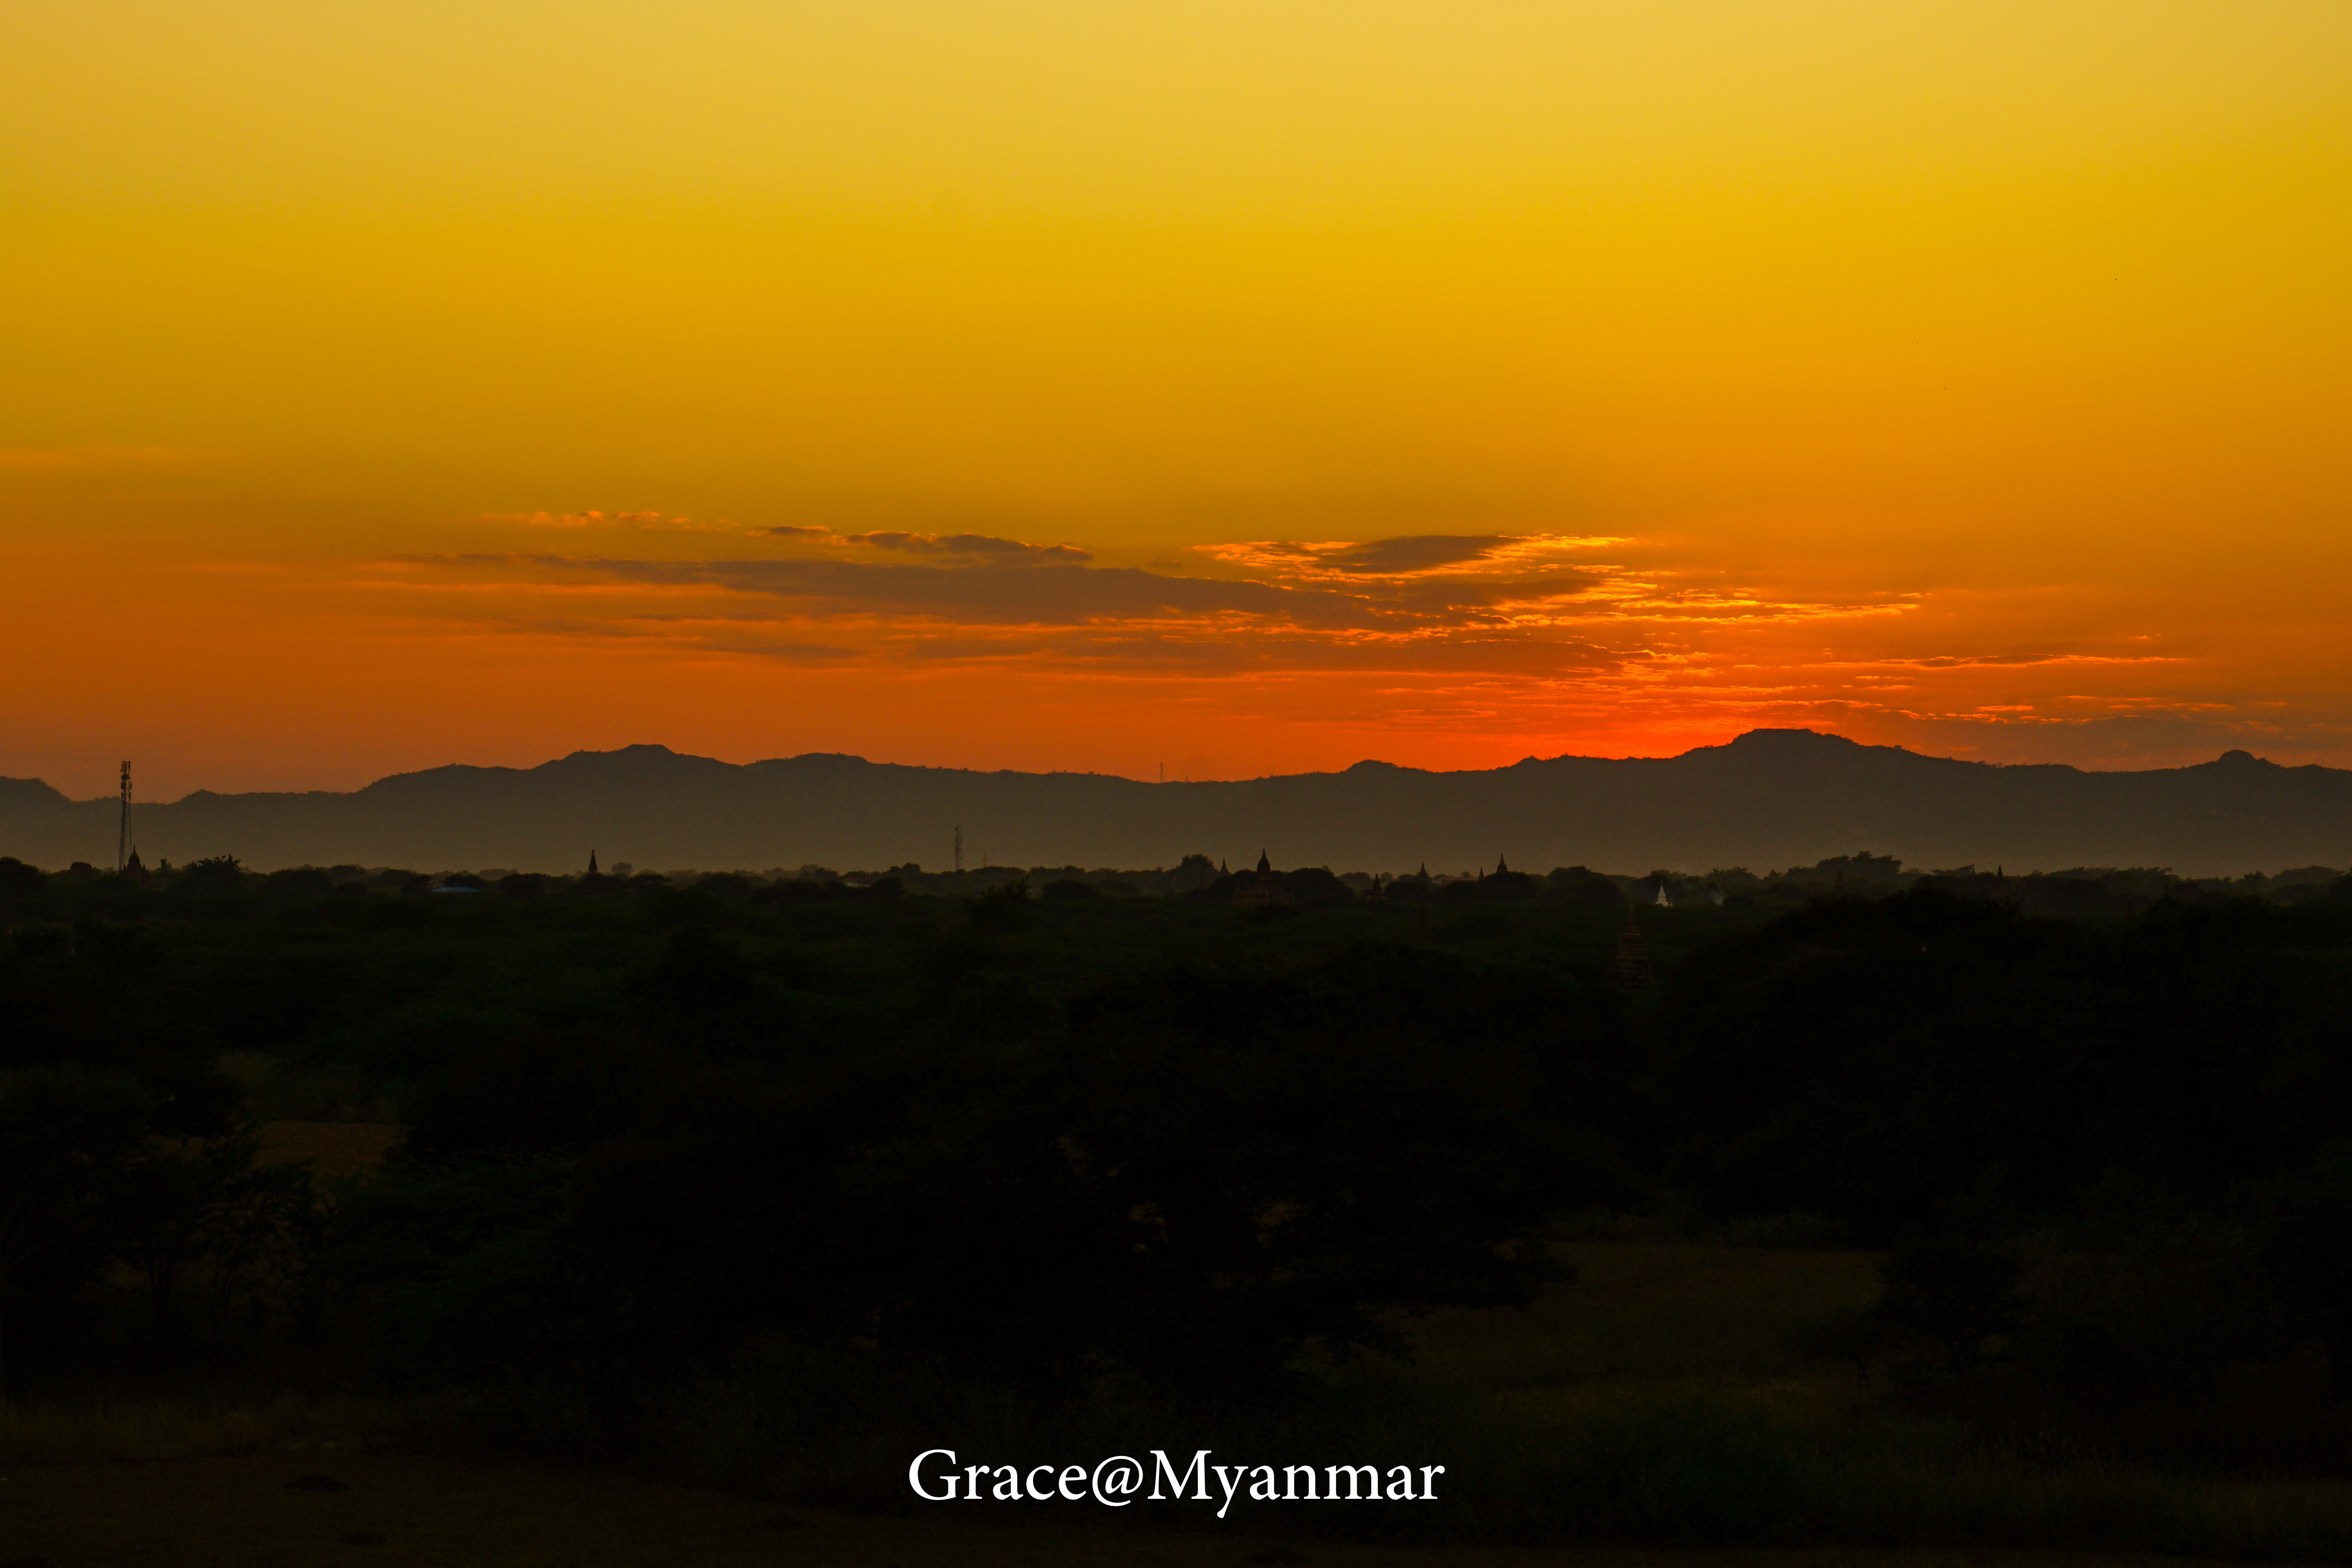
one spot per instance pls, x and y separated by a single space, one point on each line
184 1202
20 884
1002 908
1577 885
212 874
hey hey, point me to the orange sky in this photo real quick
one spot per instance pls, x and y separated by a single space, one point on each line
1229 387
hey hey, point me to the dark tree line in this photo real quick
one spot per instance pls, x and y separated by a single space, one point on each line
1048 1140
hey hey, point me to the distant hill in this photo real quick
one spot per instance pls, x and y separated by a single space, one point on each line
1771 798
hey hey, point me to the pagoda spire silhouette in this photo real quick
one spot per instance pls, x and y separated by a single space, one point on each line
1264 887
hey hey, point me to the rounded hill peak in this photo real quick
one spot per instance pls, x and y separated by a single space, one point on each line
1784 740
644 751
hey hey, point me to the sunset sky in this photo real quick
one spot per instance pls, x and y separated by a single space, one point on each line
1113 384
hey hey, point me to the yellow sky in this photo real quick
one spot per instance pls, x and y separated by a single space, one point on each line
1971 377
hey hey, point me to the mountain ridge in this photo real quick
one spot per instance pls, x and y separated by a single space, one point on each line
1765 799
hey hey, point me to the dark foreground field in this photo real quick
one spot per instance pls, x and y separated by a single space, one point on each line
438 1513
1920 1222
1692 1371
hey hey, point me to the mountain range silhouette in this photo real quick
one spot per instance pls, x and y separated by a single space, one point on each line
1768 799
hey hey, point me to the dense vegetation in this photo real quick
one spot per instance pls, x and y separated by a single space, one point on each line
1079 1145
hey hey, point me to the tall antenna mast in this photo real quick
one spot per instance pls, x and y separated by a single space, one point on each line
959 847
122 833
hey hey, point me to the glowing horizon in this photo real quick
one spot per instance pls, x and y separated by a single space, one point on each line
1244 390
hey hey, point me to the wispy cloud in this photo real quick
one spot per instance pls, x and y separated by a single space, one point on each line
984 593
1992 660
1520 620
976 548
635 522
1405 556
1473 592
